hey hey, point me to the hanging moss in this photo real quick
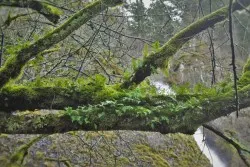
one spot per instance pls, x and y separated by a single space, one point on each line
245 78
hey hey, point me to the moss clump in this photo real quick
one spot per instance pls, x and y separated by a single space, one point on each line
151 156
52 9
245 78
247 66
179 150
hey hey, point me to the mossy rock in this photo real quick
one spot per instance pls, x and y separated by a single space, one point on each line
112 148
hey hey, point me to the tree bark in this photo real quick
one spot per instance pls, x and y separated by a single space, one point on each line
168 50
50 12
40 98
13 66
184 121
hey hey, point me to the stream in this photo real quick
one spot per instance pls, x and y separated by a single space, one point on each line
207 148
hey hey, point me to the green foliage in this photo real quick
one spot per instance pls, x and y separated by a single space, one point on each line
202 91
126 75
52 9
145 51
136 63
92 89
182 89
126 102
156 111
245 78
140 103
92 115
166 67
145 89
156 46
13 49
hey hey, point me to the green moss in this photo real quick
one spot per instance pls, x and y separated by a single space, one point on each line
245 78
40 155
3 135
19 90
246 66
18 157
151 156
185 157
23 121
52 9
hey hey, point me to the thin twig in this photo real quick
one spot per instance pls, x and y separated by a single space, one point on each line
2 43
233 58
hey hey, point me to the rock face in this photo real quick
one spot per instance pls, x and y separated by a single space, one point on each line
237 129
113 148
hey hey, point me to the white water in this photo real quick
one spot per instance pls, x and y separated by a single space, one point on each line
163 88
209 152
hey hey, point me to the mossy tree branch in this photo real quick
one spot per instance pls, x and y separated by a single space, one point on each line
24 98
159 58
145 115
15 63
50 12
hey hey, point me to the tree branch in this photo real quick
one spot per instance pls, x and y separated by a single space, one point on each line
50 12
159 58
233 56
15 63
149 114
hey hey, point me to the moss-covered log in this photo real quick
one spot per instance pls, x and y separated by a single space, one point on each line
159 58
23 98
147 114
47 10
15 63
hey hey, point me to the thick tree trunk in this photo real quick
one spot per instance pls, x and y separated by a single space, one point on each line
50 12
135 118
15 63
168 50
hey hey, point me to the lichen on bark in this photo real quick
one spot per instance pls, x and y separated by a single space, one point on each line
47 10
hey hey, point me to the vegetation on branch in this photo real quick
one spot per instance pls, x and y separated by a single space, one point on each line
158 59
245 78
99 108
13 66
49 11
58 93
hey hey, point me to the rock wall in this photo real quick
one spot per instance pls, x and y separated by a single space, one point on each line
113 148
